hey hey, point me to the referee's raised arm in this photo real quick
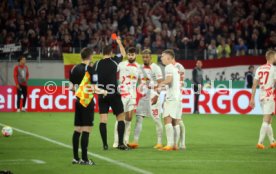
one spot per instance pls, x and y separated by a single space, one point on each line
106 70
121 47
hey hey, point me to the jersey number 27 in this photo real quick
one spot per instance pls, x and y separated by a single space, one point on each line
263 76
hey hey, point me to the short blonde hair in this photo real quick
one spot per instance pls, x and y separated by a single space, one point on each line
169 52
146 51
269 54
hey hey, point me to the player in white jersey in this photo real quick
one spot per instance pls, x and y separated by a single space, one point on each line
181 72
149 104
265 77
128 78
172 101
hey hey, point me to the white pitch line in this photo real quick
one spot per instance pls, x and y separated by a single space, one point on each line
38 161
217 161
17 163
118 163
21 161
13 160
228 161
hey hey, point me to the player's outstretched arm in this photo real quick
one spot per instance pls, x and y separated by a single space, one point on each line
121 47
254 87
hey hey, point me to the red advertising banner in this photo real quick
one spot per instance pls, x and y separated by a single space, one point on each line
41 99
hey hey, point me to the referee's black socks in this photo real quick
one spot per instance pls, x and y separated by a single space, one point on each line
84 145
75 142
103 133
121 131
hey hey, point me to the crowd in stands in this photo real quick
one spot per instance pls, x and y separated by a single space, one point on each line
195 29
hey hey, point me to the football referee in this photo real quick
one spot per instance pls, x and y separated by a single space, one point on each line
106 69
84 116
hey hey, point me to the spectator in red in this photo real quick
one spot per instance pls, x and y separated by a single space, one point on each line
21 76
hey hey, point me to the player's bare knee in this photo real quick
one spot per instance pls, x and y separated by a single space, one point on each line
77 129
86 129
267 118
103 118
121 117
175 122
128 116
271 119
167 120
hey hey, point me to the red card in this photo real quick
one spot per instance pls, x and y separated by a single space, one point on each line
113 36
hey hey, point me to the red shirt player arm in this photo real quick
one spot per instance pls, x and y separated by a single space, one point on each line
27 74
15 75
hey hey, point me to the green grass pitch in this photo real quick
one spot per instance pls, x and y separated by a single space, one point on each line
217 144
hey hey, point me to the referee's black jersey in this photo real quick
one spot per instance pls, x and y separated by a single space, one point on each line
107 74
78 71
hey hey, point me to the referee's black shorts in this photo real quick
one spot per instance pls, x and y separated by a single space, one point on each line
84 116
114 101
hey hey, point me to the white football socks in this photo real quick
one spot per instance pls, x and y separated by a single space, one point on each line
169 134
127 132
116 138
159 129
138 128
176 134
182 140
270 134
263 132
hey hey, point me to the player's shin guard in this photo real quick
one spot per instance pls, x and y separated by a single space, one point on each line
75 142
138 128
176 135
159 130
263 132
84 145
127 131
121 131
116 141
169 134
270 134
182 134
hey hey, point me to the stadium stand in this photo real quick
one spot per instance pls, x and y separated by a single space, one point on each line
195 29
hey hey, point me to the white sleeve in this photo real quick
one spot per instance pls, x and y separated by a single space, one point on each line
274 77
168 71
181 70
256 77
158 73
